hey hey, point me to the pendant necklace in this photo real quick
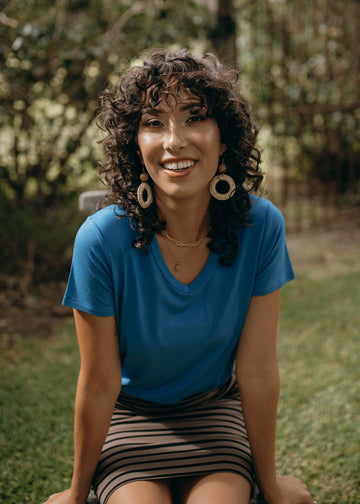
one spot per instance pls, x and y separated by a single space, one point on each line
179 263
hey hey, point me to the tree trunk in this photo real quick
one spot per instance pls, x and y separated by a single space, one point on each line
222 35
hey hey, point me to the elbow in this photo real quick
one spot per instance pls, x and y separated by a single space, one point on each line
95 384
110 387
258 378
260 367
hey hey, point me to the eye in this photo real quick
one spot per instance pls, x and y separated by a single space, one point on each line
197 117
151 123
197 114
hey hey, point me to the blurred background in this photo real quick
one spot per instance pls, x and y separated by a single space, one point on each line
299 62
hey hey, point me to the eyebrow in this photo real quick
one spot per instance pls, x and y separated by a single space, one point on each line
183 107
188 106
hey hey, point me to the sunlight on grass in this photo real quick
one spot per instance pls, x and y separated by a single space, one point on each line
318 429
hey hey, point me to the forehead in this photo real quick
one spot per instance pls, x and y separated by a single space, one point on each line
171 98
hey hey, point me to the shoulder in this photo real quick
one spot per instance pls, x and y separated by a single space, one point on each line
265 225
263 210
264 215
107 226
105 219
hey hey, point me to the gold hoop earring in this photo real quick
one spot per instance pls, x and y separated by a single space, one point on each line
144 192
222 177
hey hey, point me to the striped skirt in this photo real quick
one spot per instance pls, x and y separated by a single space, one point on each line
202 434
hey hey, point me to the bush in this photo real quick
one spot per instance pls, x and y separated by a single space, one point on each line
36 243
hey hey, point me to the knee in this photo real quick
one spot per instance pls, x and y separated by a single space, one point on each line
215 489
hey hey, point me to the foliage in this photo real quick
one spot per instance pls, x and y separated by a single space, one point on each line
299 62
302 61
55 58
36 246
318 428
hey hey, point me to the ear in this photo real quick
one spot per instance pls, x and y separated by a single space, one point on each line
223 148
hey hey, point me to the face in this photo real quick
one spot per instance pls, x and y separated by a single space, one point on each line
180 148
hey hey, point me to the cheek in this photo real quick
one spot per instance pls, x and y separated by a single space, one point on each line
211 138
146 145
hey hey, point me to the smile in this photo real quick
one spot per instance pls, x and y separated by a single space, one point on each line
179 165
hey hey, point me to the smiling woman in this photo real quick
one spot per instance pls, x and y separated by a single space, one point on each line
180 148
174 284
211 95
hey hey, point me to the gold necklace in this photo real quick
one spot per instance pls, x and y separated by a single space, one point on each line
179 264
179 243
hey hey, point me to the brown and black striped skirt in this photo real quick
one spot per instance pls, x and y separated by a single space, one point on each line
202 434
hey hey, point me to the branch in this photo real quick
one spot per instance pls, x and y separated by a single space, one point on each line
115 31
5 20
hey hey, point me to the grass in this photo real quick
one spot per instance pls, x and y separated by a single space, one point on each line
38 380
318 427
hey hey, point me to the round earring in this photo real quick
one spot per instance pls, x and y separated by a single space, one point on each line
222 177
144 189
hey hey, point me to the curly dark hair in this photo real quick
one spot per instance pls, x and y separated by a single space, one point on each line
163 74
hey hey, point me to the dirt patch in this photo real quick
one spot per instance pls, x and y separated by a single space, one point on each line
326 251
30 314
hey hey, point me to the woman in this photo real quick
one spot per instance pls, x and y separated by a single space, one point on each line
175 284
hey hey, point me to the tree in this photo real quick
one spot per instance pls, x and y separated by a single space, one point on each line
222 30
55 58
302 61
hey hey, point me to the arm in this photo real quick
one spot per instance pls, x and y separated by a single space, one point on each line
97 390
258 379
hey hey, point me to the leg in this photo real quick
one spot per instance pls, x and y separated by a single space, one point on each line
142 492
216 488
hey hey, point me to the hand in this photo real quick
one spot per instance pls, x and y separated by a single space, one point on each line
65 497
289 490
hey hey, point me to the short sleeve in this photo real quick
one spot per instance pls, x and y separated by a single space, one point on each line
274 268
90 285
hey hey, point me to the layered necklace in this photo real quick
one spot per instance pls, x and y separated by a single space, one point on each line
179 263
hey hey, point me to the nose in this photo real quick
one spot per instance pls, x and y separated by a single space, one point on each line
175 137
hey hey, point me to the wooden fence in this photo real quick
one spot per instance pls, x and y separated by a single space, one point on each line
300 62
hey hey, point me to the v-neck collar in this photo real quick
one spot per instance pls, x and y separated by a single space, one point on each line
193 286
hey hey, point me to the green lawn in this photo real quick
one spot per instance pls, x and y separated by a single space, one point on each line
38 380
318 429
319 426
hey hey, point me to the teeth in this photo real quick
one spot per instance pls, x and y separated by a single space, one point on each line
180 165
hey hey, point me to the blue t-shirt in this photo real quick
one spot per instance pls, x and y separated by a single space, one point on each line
175 339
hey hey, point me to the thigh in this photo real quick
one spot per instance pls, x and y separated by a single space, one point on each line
216 488
142 492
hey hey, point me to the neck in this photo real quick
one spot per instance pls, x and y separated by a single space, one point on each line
186 220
